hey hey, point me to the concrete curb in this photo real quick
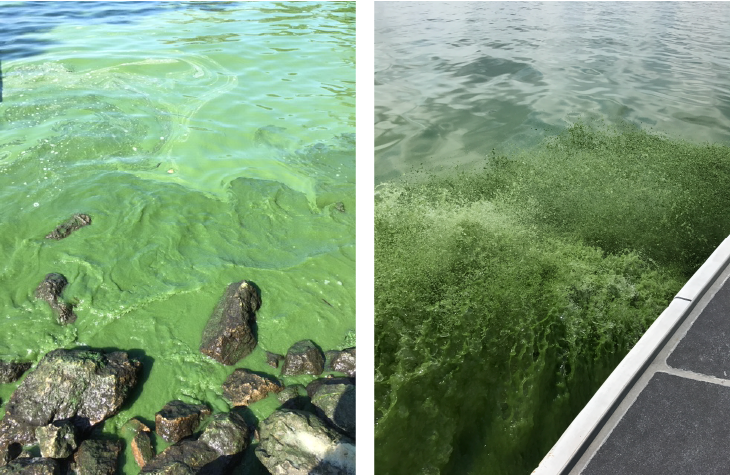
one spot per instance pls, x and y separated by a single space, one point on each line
574 441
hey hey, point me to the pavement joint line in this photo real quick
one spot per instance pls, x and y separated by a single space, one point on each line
695 376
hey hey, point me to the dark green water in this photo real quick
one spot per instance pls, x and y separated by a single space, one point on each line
548 176
210 143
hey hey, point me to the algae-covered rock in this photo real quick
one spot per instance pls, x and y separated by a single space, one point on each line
57 440
178 419
227 434
297 442
304 357
83 386
341 361
32 466
12 371
314 385
78 220
229 334
336 405
244 387
97 457
50 291
294 397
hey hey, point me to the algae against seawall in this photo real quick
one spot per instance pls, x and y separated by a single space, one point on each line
505 296
209 144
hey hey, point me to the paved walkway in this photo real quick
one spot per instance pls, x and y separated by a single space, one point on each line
666 407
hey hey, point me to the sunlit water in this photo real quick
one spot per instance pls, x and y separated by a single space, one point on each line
548 175
209 143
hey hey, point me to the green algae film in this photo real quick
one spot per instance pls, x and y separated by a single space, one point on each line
506 295
217 148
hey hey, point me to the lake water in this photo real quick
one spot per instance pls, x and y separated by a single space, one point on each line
209 143
548 175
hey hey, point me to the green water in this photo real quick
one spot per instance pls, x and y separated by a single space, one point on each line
505 294
209 145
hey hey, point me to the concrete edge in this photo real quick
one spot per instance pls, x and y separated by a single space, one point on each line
576 438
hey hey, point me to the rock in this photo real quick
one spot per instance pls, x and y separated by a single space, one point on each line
303 358
336 405
229 334
97 457
340 207
297 442
50 290
12 371
273 359
79 220
244 387
32 466
227 434
314 385
341 361
57 440
185 457
141 442
294 397
178 419
84 386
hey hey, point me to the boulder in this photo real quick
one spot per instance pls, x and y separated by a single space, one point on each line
304 357
12 371
50 291
83 386
78 220
341 361
32 466
244 387
336 405
227 434
314 385
178 419
229 334
274 359
185 457
294 397
57 440
97 457
141 442
297 442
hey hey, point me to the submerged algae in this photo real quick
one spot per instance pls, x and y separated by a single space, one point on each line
505 297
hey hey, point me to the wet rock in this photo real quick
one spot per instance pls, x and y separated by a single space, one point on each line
229 334
79 220
303 358
314 385
294 397
274 359
84 386
50 291
141 442
12 371
341 361
296 442
227 434
32 466
336 405
97 457
244 387
178 419
57 440
185 457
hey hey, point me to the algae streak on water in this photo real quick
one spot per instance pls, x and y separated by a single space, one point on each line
505 297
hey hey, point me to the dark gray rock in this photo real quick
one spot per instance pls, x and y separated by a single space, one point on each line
57 440
294 397
84 386
186 457
274 359
50 291
79 220
336 405
178 419
227 434
244 387
32 466
341 361
297 442
97 457
303 358
314 385
12 371
141 442
229 334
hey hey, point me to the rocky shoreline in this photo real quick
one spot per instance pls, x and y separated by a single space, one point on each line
52 419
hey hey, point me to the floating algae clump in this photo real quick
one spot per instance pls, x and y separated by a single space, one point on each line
504 298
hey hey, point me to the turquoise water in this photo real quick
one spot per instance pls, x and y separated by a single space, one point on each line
548 176
209 143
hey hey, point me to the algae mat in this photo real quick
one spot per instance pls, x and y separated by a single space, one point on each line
209 143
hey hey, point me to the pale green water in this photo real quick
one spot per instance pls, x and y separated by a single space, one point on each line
249 111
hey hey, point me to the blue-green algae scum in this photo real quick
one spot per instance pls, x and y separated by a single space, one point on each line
548 176
209 143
